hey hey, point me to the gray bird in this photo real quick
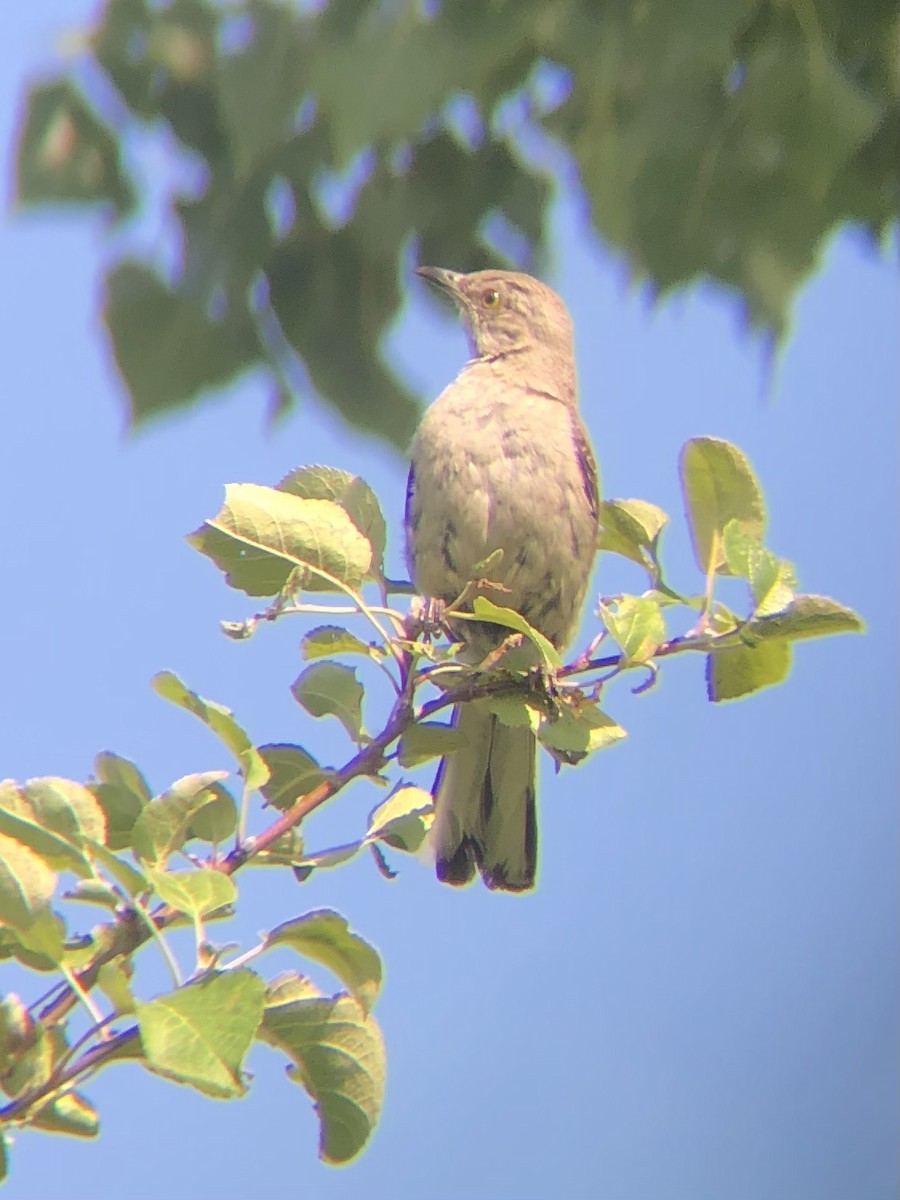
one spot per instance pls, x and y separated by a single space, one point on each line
501 461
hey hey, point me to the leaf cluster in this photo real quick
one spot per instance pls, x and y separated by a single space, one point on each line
150 861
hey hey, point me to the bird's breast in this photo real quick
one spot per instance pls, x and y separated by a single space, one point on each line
498 470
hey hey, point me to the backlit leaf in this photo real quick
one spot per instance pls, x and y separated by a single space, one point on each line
718 486
199 1033
325 937
339 1057
261 537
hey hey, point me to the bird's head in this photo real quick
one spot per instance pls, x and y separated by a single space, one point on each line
506 312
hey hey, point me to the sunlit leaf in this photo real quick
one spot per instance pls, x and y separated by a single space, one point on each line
339 1057
332 639
514 711
719 487
805 617
26 885
122 792
630 528
485 610
114 981
579 732
771 579
71 1113
30 1067
426 740
636 625
325 937
18 820
403 820
196 893
739 670
292 773
220 720
163 824
261 537
127 876
199 1034
349 491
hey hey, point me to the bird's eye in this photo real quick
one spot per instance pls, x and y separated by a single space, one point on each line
490 299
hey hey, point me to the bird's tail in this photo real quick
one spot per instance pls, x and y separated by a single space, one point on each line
485 804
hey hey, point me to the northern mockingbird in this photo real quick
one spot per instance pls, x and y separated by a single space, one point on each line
501 461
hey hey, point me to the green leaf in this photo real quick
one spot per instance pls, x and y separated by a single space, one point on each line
32 1062
630 528
771 579
353 495
17 1030
11 947
196 893
72 1114
339 1057
199 1034
19 820
806 616
332 639
275 54
121 772
292 773
219 720
45 935
325 937
514 711
114 981
131 880
403 820
26 885
718 486
162 828
122 792
66 808
636 625
324 279
54 817
739 670
261 537
426 740
579 732
331 689
66 155
217 820
121 808
485 610
335 856
194 349
95 891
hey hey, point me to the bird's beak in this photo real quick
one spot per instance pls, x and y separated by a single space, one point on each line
446 281
450 284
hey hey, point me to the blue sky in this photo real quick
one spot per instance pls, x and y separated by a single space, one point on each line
700 998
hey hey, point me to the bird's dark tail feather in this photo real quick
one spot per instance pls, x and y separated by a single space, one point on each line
485 805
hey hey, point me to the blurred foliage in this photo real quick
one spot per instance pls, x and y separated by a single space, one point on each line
316 144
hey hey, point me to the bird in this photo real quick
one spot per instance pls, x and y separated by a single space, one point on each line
501 461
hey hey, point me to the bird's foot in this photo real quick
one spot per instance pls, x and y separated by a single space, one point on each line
426 619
